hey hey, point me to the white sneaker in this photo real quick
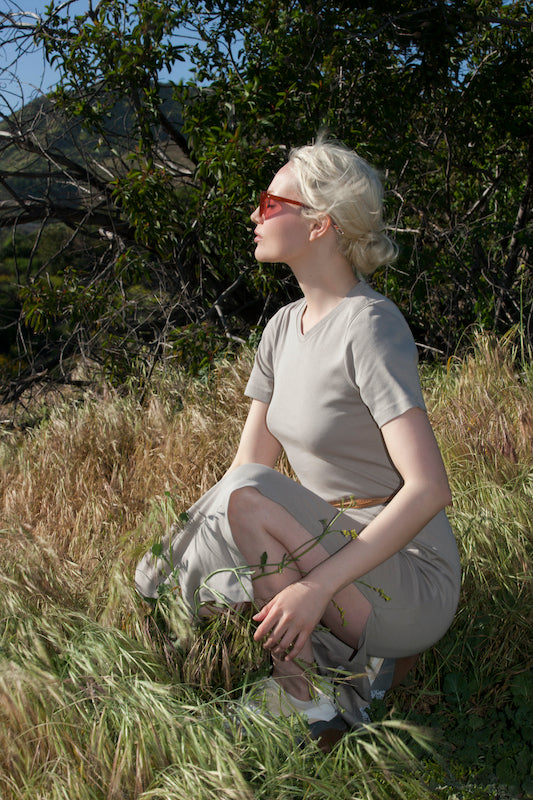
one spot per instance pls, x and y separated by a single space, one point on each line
269 697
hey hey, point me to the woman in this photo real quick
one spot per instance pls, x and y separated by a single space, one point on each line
369 567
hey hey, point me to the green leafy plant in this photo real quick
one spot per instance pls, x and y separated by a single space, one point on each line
162 176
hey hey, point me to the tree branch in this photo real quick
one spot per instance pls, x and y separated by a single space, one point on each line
511 264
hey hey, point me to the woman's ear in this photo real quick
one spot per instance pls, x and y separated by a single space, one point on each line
319 227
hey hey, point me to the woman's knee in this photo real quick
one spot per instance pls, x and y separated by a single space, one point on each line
242 503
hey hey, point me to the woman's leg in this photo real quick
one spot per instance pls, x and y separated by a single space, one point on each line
260 525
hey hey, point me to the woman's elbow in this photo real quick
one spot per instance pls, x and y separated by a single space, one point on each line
432 495
441 494
447 498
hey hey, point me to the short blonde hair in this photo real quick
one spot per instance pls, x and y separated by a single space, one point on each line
334 180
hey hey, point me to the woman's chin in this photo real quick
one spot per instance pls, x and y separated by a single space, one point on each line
261 253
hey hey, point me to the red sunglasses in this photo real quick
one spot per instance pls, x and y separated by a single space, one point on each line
269 204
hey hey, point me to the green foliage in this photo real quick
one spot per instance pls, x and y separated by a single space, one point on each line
437 95
142 193
124 45
411 93
486 744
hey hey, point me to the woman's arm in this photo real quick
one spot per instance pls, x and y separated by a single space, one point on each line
257 445
414 452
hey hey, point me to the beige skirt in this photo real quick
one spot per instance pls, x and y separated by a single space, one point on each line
413 594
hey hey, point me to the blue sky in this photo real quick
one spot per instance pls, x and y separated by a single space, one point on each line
32 71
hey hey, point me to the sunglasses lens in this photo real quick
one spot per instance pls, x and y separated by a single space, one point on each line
268 206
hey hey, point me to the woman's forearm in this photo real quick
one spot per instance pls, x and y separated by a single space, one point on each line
413 450
394 527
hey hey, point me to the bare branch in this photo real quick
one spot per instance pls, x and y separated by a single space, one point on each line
522 216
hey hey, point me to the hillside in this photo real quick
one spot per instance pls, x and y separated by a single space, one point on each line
41 126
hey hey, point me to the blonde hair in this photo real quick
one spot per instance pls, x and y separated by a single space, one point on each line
334 180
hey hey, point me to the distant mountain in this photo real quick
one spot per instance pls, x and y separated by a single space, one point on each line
42 124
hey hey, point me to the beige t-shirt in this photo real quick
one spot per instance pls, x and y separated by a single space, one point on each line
329 391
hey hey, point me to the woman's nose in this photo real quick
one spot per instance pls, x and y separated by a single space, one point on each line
255 216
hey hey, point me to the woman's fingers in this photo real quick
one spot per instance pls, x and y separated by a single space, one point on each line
286 647
272 628
265 628
276 636
288 619
261 614
282 639
294 648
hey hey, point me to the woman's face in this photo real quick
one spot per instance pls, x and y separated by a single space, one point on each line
284 235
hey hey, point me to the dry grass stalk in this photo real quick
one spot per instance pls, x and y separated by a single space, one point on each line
98 701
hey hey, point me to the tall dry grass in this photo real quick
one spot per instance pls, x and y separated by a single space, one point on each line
481 407
99 699
76 488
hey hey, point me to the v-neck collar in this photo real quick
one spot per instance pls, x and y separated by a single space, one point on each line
303 337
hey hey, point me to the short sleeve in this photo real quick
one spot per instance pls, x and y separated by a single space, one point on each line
382 361
261 381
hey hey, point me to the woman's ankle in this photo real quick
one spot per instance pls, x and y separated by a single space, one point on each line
296 685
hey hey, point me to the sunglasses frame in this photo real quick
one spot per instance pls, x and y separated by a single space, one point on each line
264 196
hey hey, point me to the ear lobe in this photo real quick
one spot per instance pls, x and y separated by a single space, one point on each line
320 227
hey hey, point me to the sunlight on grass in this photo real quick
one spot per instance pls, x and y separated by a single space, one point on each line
103 696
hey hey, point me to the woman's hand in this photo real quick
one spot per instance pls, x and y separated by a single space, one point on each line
287 621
